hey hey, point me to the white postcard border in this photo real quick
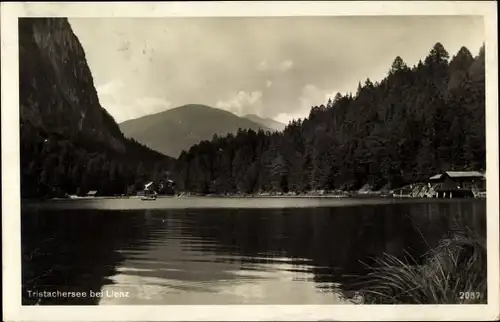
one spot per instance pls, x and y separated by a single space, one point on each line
13 311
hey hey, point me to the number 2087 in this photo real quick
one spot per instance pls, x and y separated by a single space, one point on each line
469 295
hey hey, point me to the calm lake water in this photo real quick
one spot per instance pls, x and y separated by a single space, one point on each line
222 251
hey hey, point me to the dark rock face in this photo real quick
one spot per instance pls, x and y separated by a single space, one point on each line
57 92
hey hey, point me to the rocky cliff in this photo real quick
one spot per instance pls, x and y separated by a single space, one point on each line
69 144
57 92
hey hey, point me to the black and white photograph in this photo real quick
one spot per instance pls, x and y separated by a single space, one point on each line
251 159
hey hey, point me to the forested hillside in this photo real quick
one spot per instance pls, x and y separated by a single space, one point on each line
69 143
415 122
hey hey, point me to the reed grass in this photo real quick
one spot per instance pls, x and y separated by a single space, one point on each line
453 272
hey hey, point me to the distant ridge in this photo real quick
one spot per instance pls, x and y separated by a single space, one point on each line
178 129
267 122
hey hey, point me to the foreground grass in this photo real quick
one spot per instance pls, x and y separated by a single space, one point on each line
454 272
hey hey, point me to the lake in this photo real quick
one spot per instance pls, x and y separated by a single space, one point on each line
222 250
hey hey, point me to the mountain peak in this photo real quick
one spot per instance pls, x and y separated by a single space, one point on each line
178 129
194 106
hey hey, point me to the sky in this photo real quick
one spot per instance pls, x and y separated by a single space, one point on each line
276 67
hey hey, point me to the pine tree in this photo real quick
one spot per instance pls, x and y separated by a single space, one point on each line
398 65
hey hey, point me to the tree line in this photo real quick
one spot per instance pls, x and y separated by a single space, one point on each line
414 123
53 165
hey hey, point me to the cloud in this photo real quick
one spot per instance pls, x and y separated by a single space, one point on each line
149 105
285 65
280 67
330 95
307 97
262 66
121 112
242 103
113 97
110 87
311 96
142 106
285 118
149 102
173 68
269 83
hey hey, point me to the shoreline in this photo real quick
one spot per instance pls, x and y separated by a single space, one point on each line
321 194
284 196
213 196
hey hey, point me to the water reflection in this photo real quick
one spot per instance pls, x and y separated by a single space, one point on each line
224 256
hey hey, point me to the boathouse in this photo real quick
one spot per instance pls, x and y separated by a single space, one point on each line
161 187
458 184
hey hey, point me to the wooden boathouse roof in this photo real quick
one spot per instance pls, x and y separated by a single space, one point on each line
459 174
